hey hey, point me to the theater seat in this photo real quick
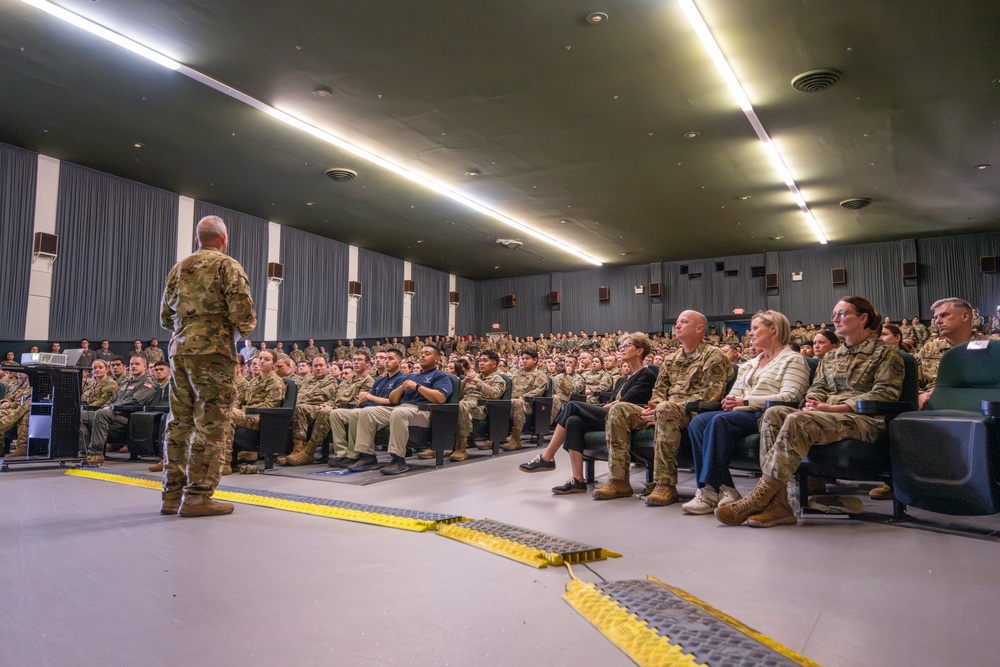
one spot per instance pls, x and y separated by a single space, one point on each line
274 437
944 458
496 426
440 436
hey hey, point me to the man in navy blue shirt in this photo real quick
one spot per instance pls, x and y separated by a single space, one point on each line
344 421
430 385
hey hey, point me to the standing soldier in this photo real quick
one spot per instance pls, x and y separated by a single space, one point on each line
206 304
311 351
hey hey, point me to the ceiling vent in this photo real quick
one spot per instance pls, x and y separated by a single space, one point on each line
340 175
815 80
855 203
510 244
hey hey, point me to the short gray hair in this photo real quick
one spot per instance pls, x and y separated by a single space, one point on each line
210 227
960 304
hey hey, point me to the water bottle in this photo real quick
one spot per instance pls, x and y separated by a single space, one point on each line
793 496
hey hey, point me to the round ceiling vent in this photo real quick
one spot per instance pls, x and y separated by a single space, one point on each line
855 203
340 174
815 80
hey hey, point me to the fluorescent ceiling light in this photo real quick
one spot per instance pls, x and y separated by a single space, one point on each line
697 22
104 33
427 182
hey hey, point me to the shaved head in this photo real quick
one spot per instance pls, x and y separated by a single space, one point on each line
211 231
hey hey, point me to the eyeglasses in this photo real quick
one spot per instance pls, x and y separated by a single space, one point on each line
841 314
625 346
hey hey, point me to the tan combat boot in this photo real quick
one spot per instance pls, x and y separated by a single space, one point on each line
614 488
20 449
204 506
227 469
156 467
777 512
513 443
662 495
169 506
427 453
246 457
297 446
459 453
301 455
736 513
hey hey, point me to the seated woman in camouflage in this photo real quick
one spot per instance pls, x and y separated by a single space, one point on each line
861 368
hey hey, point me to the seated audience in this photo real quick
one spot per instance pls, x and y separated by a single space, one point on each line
97 426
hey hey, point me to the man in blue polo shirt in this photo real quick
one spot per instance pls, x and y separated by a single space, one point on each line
344 421
430 385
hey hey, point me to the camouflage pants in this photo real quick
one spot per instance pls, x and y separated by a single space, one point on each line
786 434
467 411
303 416
622 418
241 419
321 426
16 416
519 408
670 419
202 391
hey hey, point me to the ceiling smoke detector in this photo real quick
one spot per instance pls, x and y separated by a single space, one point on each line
855 203
340 175
510 244
816 80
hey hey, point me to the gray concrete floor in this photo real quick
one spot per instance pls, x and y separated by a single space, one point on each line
93 575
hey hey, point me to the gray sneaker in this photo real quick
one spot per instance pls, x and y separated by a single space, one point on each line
704 502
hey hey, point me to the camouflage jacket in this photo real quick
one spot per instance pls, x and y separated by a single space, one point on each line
153 354
919 333
206 301
597 381
699 376
929 357
799 334
310 352
485 386
565 385
529 384
318 391
18 389
297 356
348 390
871 370
265 392
242 384
99 393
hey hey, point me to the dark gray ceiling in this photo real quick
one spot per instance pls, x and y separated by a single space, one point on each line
565 121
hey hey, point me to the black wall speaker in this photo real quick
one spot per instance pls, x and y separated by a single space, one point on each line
655 289
554 298
838 276
275 271
48 244
986 264
510 301
354 288
453 297
409 286
909 269
604 293
771 280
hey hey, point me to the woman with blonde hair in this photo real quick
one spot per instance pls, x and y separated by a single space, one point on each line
777 373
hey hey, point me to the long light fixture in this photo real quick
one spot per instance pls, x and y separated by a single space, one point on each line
428 182
700 28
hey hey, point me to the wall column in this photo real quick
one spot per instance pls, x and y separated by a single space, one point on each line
407 300
452 307
352 304
185 227
273 287
40 283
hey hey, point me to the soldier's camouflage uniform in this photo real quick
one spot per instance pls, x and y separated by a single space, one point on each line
563 388
523 387
206 301
308 401
98 393
699 376
346 392
485 386
297 356
311 352
18 394
597 382
871 370
929 358
266 391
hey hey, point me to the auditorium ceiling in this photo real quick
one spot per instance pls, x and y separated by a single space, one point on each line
619 138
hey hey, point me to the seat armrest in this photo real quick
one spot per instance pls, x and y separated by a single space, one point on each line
785 404
703 406
446 408
884 408
269 411
991 408
126 409
157 408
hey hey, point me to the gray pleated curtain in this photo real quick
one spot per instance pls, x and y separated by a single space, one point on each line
313 301
380 311
117 241
429 307
18 173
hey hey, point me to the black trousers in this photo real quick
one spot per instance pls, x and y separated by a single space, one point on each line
578 417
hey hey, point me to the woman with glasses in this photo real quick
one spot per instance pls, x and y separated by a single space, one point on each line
861 368
578 417
777 373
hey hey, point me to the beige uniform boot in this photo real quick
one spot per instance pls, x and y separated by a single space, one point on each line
662 495
302 454
459 453
736 513
297 446
614 488
512 443
156 467
777 512
204 506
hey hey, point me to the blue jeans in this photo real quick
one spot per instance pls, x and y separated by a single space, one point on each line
713 438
